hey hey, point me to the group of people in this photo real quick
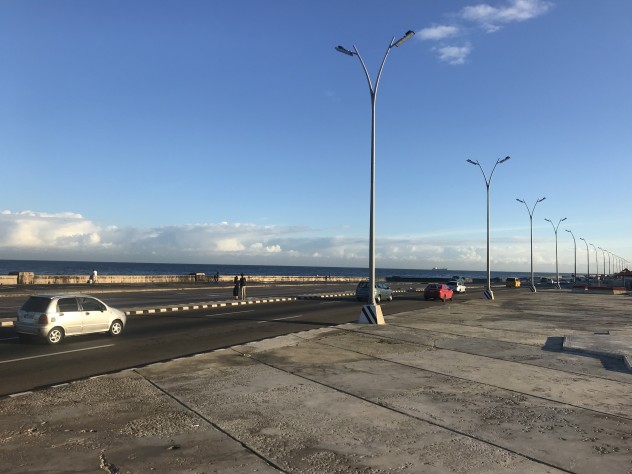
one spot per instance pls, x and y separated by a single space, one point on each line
239 290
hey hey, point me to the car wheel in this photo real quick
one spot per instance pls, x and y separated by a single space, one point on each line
390 297
443 298
378 299
116 328
55 336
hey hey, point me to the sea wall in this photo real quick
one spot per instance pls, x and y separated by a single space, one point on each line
29 278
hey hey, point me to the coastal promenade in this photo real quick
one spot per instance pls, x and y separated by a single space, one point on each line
474 386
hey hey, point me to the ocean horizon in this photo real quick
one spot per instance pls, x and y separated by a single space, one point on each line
59 267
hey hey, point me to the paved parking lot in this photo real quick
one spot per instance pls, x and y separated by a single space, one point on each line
473 387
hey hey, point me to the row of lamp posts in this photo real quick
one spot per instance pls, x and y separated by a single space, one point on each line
372 313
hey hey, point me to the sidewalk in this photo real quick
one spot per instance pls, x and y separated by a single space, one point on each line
474 387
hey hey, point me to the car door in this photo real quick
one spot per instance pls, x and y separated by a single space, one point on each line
69 315
94 314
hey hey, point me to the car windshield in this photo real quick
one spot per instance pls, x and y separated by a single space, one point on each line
36 304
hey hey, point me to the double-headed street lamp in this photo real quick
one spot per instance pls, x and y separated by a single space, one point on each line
531 211
557 272
587 259
575 246
372 313
596 262
488 294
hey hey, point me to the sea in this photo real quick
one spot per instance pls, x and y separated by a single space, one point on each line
50 267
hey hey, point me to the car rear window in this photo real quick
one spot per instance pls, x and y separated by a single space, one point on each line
36 304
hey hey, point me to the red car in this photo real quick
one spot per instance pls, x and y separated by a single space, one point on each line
438 291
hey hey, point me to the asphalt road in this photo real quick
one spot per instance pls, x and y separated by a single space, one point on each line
160 337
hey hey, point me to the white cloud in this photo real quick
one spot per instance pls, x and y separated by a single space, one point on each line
68 236
489 18
438 32
493 18
454 54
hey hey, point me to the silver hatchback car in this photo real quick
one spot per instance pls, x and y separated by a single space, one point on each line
57 316
382 292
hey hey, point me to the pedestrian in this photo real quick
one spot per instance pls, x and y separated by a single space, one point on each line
236 287
93 277
242 286
216 277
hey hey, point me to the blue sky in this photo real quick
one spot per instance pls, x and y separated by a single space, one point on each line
233 132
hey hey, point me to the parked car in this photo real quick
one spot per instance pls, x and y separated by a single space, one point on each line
382 292
512 282
438 291
56 316
456 286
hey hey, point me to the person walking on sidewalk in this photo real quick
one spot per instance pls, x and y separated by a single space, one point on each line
242 287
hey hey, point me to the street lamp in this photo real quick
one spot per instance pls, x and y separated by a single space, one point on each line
603 253
597 263
609 267
372 313
575 245
530 211
587 260
557 272
488 294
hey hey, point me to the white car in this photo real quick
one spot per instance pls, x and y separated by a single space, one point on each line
54 317
456 286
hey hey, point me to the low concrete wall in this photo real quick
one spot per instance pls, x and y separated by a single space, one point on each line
26 278
8 279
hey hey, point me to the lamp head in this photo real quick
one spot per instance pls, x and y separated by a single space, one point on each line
548 220
520 200
562 220
503 160
343 50
473 162
409 34
541 199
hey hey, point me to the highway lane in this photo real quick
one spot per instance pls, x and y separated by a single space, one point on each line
132 297
160 337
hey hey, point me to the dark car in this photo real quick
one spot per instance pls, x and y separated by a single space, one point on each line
438 291
382 292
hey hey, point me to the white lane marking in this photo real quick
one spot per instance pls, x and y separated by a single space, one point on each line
9 338
280 319
232 312
56 353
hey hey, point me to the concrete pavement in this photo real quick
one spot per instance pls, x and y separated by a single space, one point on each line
476 386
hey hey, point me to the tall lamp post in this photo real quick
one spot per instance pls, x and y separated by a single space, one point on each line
609 267
603 254
372 313
575 245
531 211
596 262
557 272
488 294
587 260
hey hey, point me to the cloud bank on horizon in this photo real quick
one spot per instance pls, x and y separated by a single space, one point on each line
454 44
70 236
